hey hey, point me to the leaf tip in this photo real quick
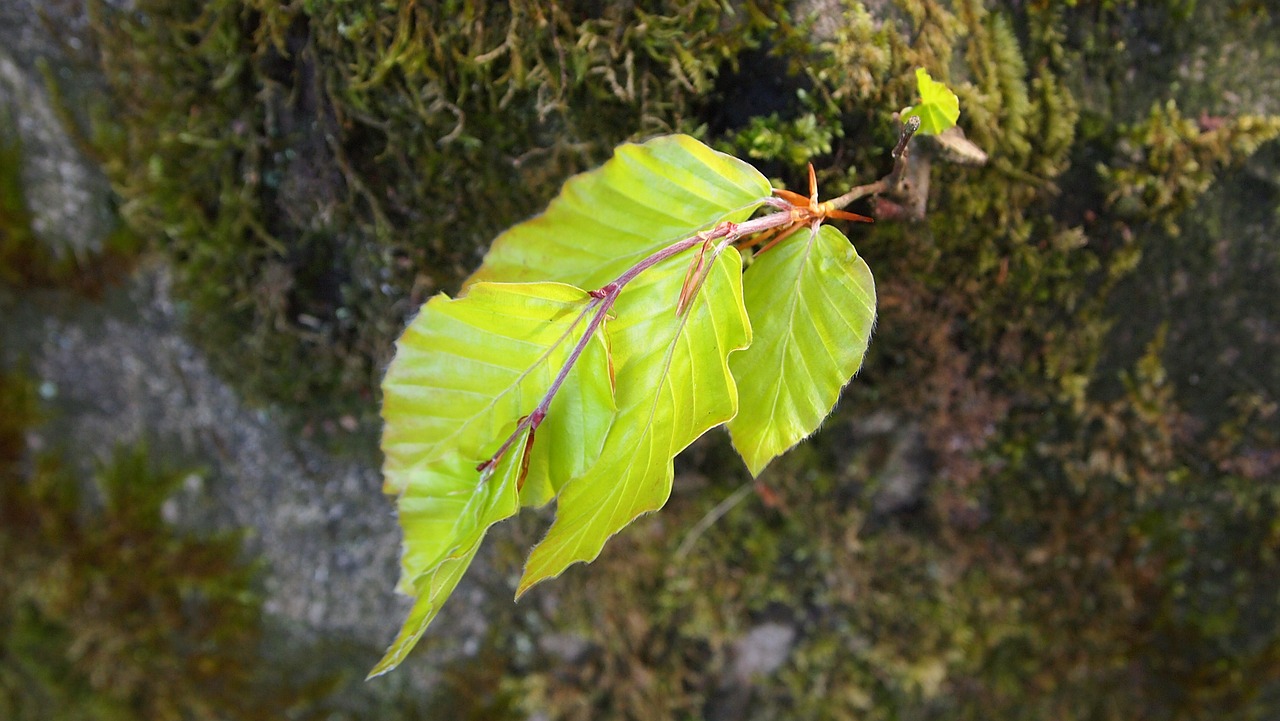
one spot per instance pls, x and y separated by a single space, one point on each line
537 570
396 654
386 665
757 466
527 582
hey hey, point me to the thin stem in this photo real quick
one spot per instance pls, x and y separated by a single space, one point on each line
709 520
890 181
862 191
909 129
602 301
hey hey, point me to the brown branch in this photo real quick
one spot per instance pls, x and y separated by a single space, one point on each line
888 183
602 299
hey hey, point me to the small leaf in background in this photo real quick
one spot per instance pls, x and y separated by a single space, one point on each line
812 305
939 108
673 385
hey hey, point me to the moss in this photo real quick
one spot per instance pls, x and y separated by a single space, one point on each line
18 412
1075 554
773 139
28 261
1165 163
1122 552
21 254
318 170
109 612
106 613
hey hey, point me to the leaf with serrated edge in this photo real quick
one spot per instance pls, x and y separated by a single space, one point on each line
489 502
465 372
604 221
673 384
812 303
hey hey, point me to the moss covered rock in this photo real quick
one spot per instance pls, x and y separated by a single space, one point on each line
1046 495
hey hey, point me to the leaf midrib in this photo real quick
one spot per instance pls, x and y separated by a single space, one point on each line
786 339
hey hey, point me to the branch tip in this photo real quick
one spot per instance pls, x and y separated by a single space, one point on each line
908 130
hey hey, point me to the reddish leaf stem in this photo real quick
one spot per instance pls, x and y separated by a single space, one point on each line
602 299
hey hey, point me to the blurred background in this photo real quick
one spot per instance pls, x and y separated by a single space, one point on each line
1051 492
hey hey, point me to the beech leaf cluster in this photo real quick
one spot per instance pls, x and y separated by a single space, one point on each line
598 340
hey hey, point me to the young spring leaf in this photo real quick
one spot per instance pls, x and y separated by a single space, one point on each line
673 384
939 108
812 303
463 446
465 372
467 369
646 197
450 498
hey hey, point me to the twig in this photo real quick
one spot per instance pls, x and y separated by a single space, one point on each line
709 520
602 301
890 181
603 298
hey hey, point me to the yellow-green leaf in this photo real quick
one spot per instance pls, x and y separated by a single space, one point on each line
465 372
673 384
425 504
939 108
812 304
646 197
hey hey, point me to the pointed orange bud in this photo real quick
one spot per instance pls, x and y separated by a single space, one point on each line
790 197
845 215
781 237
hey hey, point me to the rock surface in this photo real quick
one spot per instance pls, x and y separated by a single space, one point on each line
66 194
122 371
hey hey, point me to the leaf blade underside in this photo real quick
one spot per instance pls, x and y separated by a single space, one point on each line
812 306
494 500
673 384
465 372
604 221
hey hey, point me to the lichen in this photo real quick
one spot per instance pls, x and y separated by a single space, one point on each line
34 252
105 611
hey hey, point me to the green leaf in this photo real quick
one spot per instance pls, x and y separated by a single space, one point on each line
812 305
673 384
939 108
467 369
643 199
426 504
465 372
